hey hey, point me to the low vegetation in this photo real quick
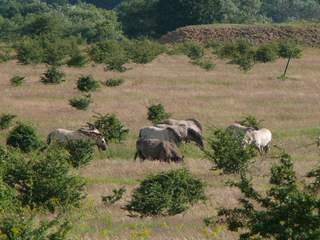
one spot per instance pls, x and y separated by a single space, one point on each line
53 76
81 103
81 152
251 121
167 193
157 113
78 59
6 120
17 80
114 82
87 84
117 194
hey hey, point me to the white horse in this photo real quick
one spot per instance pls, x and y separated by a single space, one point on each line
63 136
261 139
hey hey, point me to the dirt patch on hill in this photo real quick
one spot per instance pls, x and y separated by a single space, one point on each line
307 35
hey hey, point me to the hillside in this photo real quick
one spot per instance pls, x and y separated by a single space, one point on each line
308 34
217 98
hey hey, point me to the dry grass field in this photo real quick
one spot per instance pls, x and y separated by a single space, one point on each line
289 108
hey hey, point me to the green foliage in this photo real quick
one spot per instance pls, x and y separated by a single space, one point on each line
6 120
81 152
167 193
111 127
87 84
193 50
17 80
77 60
112 53
251 121
114 82
285 211
144 51
115 197
157 113
29 51
43 179
24 137
289 49
227 152
206 64
81 103
52 76
267 53
6 54
8 197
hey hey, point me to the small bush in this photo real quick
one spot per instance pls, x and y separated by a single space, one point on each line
205 64
251 121
81 152
29 51
77 60
289 49
267 53
6 54
193 50
115 197
24 137
227 152
17 80
245 61
114 82
53 76
112 53
81 103
87 84
167 193
157 113
111 127
144 51
6 121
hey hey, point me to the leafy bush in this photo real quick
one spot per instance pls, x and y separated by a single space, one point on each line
285 211
251 121
267 53
8 197
81 103
43 179
157 113
29 51
167 193
111 127
81 152
289 49
17 80
114 82
205 64
77 60
227 152
52 76
144 51
245 61
115 197
112 53
193 50
24 137
6 54
87 84
6 121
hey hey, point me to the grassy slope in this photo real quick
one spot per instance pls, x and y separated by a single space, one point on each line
217 98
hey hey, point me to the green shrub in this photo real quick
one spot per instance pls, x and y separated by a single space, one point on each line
193 50
286 211
77 60
6 54
289 49
114 82
205 64
17 80
267 53
227 152
81 152
81 103
251 121
167 193
144 51
24 137
44 179
8 197
87 84
245 61
115 197
157 113
29 51
52 76
111 127
112 53
6 121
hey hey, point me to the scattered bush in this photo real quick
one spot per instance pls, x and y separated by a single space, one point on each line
289 49
205 64
52 76
111 127
267 53
6 121
17 80
286 211
81 103
193 50
114 82
6 54
87 84
81 152
24 137
43 179
144 51
115 197
112 53
227 152
77 60
157 113
251 121
167 193
29 51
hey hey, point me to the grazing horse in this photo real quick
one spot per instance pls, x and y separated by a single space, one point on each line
261 139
